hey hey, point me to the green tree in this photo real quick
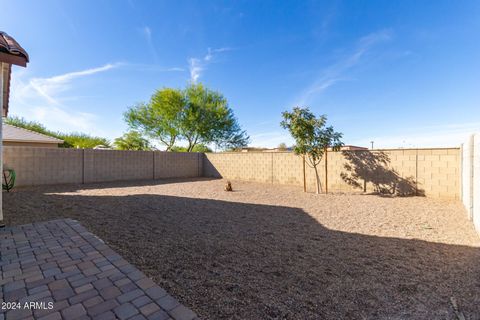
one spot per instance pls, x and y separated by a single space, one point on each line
201 148
282 146
83 141
160 118
196 115
197 148
132 140
209 119
312 136
178 149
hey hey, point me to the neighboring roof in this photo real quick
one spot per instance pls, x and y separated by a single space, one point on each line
10 53
350 147
16 134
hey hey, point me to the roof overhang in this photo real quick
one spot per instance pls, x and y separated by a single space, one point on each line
11 53
33 141
5 73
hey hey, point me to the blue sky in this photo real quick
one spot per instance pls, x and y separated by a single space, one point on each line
403 73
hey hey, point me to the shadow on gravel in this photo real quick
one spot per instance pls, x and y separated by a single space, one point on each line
230 260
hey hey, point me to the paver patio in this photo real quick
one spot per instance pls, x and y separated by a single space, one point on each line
60 262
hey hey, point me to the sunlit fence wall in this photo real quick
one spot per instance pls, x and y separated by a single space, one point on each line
423 172
471 178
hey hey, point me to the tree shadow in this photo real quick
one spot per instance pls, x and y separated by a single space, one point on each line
230 260
364 167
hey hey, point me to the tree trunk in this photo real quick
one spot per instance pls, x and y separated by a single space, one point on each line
326 171
317 177
189 147
192 143
304 176
171 144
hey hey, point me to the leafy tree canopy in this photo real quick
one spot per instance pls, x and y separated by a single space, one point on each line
196 115
197 148
160 118
282 146
83 141
132 140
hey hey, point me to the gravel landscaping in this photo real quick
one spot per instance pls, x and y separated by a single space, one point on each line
274 252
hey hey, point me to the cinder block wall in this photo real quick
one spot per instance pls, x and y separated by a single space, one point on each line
37 166
177 164
433 172
116 165
430 172
42 166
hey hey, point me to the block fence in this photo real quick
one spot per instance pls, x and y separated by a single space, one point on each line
429 172
471 178
41 166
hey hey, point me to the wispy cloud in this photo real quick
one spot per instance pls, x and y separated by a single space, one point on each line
198 65
329 76
145 67
43 99
212 52
49 88
147 33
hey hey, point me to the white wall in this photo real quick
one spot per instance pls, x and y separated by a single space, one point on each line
476 182
471 178
467 175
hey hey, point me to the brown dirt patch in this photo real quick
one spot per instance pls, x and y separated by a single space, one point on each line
273 252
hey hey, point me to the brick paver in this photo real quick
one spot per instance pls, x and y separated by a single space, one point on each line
59 261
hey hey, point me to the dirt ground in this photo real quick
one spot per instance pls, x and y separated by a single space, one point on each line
274 252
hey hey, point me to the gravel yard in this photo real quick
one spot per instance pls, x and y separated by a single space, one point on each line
274 252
